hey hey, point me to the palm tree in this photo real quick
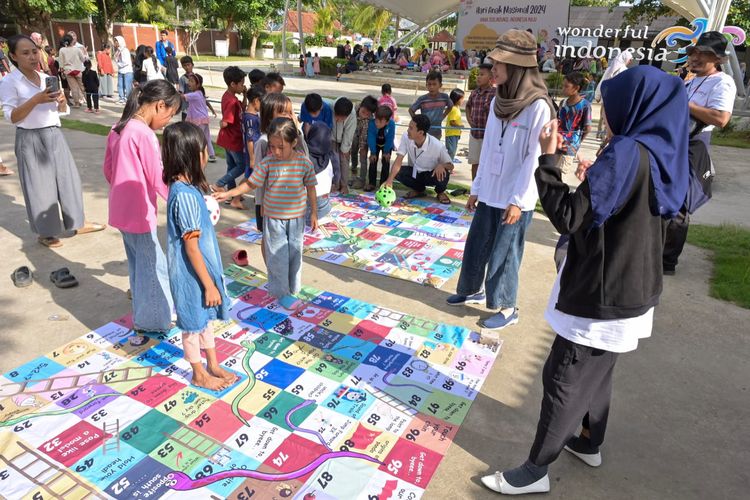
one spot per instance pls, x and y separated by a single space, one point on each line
372 21
324 22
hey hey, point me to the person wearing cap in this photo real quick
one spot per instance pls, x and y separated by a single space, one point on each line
503 193
711 94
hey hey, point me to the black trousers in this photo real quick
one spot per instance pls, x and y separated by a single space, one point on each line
422 180
677 231
577 390
385 168
89 97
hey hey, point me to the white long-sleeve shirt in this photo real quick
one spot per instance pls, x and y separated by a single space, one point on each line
510 154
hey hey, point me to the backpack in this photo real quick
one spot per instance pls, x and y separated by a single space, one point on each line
701 176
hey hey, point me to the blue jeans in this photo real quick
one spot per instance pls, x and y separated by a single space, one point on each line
124 84
493 255
235 168
282 241
324 208
149 282
451 144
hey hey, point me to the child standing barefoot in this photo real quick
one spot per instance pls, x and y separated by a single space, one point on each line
289 180
195 270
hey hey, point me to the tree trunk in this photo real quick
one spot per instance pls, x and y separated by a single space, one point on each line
301 29
253 45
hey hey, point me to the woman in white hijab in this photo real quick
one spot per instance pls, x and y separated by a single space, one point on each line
617 66
124 69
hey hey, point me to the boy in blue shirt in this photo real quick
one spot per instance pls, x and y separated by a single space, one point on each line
574 119
380 135
251 127
315 110
435 105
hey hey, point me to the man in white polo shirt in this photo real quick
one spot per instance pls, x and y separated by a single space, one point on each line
430 163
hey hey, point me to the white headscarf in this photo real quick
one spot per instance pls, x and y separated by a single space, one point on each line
617 66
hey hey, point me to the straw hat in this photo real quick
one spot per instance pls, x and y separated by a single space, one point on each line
515 47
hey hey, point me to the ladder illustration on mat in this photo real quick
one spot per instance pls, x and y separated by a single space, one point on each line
115 375
54 480
391 401
111 437
215 451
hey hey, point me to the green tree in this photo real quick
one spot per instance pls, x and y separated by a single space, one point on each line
35 15
372 21
326 16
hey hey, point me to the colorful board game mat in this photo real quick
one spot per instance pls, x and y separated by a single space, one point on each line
414 240
336 399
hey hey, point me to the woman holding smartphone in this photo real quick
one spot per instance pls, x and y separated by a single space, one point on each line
48 174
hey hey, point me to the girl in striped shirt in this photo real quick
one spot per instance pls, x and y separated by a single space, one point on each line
288 179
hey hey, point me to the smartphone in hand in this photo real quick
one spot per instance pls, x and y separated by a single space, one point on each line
52 84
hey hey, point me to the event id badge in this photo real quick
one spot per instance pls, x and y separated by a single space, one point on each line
498 157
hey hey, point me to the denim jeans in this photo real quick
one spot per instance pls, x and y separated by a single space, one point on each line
493 255
451 144
235 168
282 240
422 180
149 282
324 208
385 167
124 84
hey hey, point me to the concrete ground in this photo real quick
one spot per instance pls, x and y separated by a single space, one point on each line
680 405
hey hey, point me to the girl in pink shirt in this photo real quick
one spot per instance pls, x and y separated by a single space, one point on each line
198 107
132 166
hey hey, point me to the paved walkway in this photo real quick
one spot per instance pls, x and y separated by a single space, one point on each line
677 425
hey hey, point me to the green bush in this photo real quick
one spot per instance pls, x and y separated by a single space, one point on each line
328 65
473 78
555 80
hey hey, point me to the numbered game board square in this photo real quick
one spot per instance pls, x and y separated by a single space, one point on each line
349 401
330 301
217 421
73 352
228 460
272 344
256 400
36 369
178 456
292 328
102 468
402 340
448 407
264 319
370 330
154 390
258 297
357 308
312 314
322 338
280 374
388 360
430 432
103 361
339 322
123 409
111 333
338 479
37 430
387 417
301 354
311 386
186 405
250 489
73 443
383 485
236 289
133 345
368 439
412 463
149 431
436 353
326 423
147 479
295 453
259 439
454 335
351 348
336 369
286 406
88 399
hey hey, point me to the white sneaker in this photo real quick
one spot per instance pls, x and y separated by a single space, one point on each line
496 482
592 460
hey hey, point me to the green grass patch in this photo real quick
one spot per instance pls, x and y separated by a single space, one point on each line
103 130
731 138
731 255
207 58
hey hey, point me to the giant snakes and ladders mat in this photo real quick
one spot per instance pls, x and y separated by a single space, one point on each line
415 240
336 399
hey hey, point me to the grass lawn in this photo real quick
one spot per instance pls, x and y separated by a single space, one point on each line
733 138
206 58
731 254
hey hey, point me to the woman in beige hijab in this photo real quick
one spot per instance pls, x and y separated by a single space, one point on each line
504 193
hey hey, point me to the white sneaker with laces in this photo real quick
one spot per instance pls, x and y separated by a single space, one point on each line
496 482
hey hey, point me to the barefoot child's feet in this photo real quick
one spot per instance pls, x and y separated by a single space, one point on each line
218 371
237 203
201 378
289 302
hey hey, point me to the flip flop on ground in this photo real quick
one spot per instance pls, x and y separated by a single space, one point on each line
63 279
240 257
91 227
50 242
414 194
22 277
5 171
443 198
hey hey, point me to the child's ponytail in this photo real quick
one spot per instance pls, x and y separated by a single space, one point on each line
151 92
